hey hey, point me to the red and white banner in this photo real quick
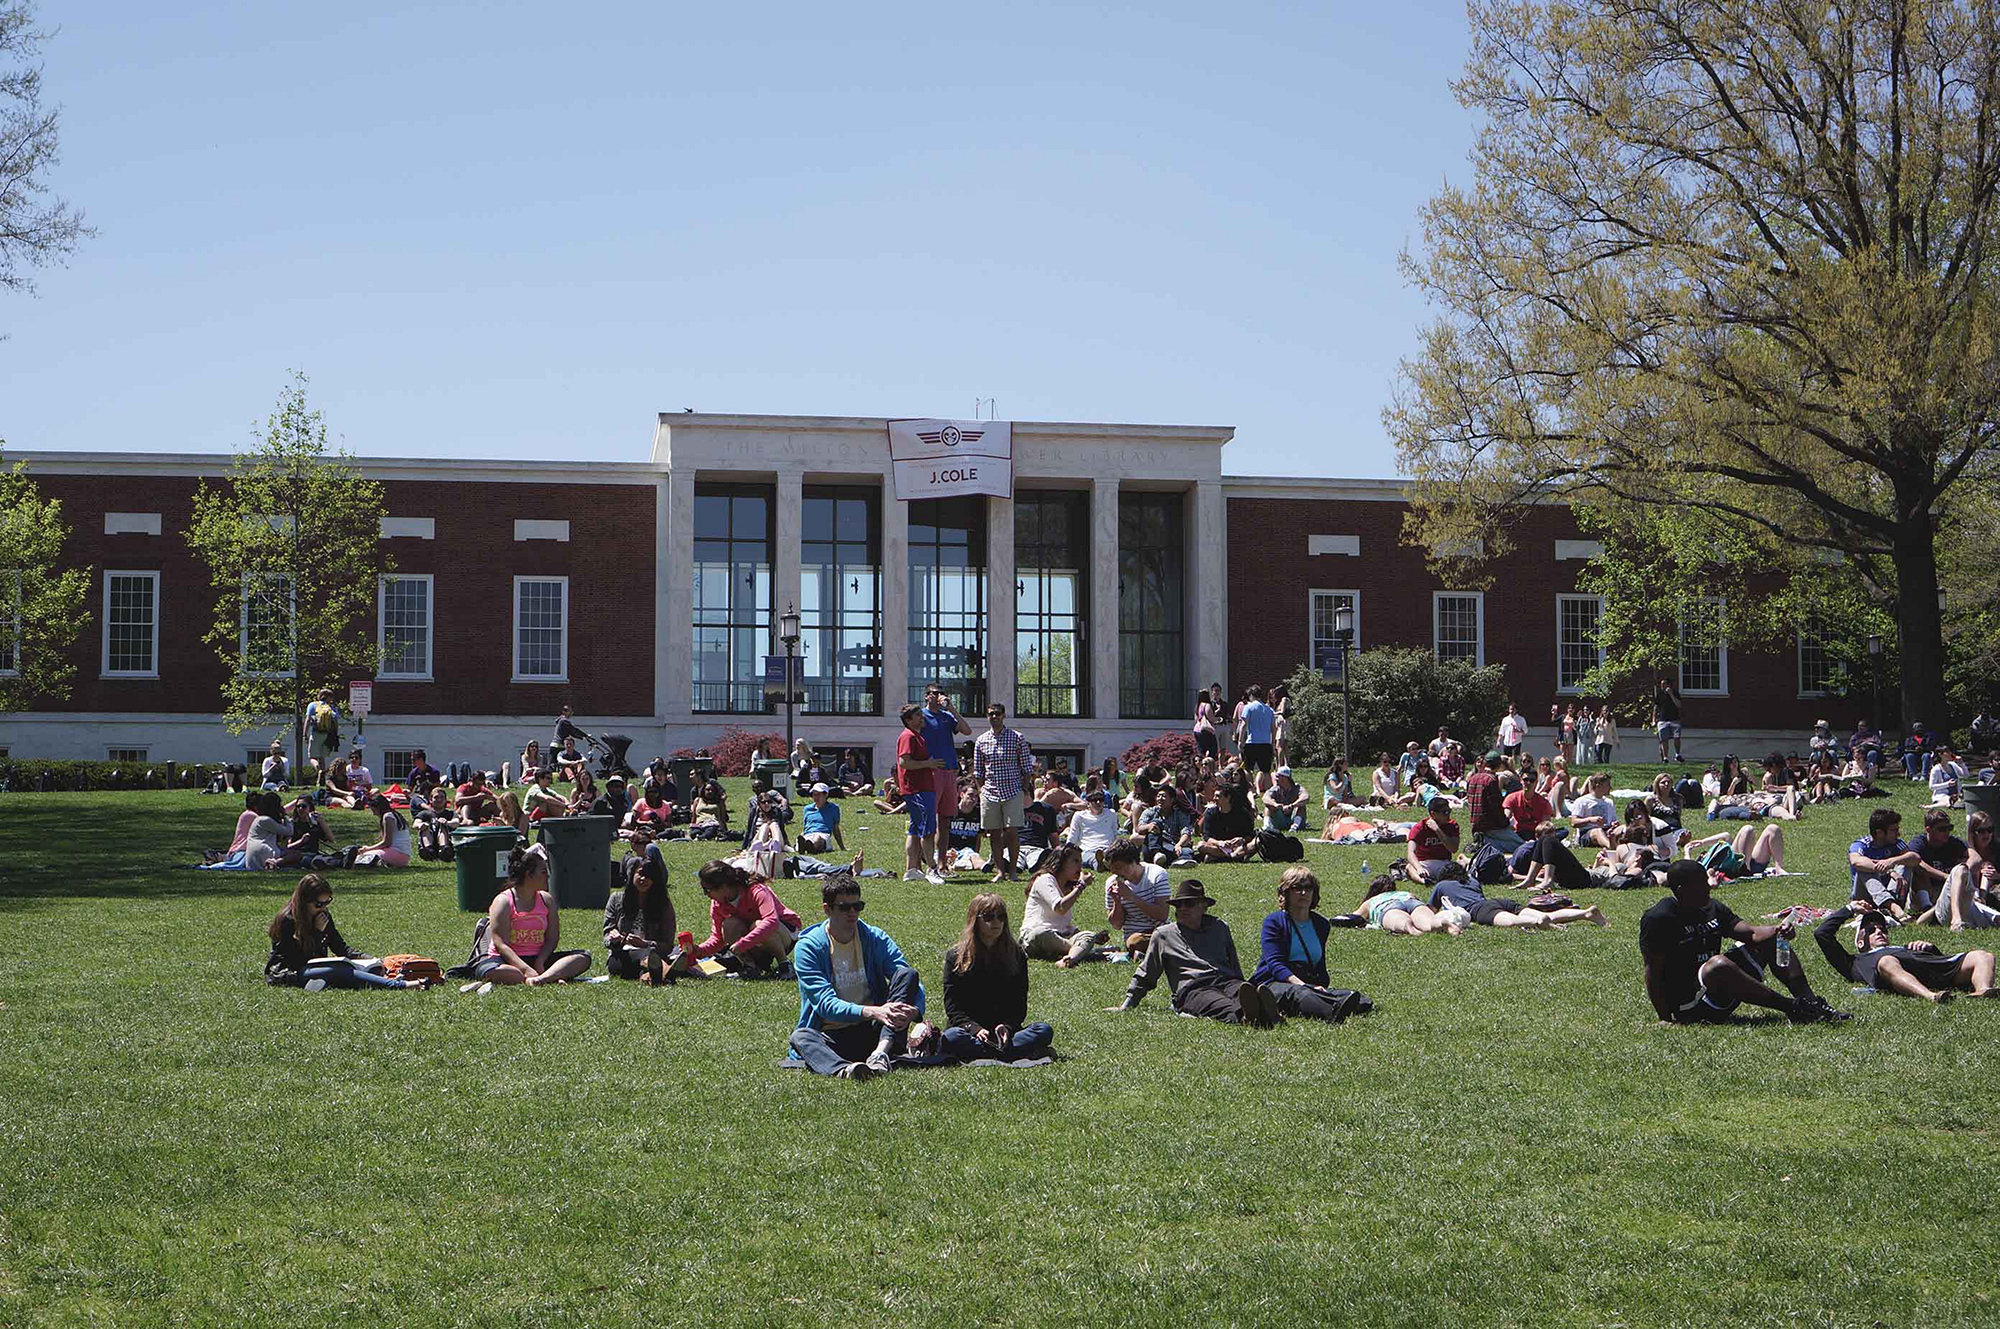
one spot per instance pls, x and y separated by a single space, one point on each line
944 458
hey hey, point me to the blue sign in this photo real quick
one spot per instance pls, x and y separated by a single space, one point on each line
1329 662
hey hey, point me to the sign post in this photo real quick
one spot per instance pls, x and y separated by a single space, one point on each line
361 697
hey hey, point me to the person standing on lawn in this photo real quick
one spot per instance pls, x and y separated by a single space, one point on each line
1197 956
1916 970
1667 719
942 729
1690 979
1002 767
859 1000
986 991
914 777
1259 725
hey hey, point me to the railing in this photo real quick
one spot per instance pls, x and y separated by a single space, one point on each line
819 697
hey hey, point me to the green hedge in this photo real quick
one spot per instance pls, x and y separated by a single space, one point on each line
26 776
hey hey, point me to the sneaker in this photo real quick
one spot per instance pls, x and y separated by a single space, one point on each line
348 856
878 1062
485 988
934 878
856 1070
469 988
315 985
913 875
1814 1010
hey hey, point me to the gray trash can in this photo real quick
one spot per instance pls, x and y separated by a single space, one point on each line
579 859
1981 798
689 772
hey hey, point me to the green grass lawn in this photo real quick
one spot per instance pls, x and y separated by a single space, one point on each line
1510 1139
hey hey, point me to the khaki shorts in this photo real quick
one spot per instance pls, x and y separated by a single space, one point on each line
1002 814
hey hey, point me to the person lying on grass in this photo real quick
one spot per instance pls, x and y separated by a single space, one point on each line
1553 863
1399 913
639 923
1197 956
1882 865
748 926
1292 959
308 951
1747 853
986 991
1505 913
1690 979
860 1003
1047 933
524 930
1918 969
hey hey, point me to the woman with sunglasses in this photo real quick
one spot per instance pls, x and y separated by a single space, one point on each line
986 991
308 951
1970 896
523 930
1292 959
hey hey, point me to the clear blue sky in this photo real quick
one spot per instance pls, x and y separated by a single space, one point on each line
521 230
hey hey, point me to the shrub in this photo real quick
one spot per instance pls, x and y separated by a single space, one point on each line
733 751
1394 696
31 775
1172 751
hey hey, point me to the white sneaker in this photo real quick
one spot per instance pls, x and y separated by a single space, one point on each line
934 878
485 988
913 875
315 985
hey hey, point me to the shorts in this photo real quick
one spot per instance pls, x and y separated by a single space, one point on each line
487 963
1668 729
1703 1009
1432 870
815 842
1205 743
922 807
1880 892
1382 904
1486 911
944 784
1001 814
1258 757
1049 943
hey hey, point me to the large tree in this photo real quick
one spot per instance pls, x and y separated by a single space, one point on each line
36 228
1729 259
293 545
41 603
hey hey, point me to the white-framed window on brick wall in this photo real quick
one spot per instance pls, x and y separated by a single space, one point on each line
264 625
1577 651
1705 652
541 629
1817 666
403 626
10 624
1458 626
131 624
1320 607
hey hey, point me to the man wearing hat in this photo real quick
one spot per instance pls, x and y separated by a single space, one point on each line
820 826
1284 802
1916 970
614 801
1198 957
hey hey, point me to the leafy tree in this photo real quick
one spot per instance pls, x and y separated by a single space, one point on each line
1731 261
1394 695
41 609
35 230
293 545
1047 677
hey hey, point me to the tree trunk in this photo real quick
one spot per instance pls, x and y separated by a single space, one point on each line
1919 623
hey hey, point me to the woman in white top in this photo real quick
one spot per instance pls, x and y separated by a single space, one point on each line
393 849
1046 930
266 846
1607 736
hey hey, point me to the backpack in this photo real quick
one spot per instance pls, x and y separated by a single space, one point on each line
478 950
1723 859
1491 865
1277 847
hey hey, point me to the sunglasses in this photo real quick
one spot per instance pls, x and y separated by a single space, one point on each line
992 917
323 903
851 906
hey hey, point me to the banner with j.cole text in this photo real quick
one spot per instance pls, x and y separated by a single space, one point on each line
944 458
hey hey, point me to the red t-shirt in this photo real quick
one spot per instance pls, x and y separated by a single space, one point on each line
911 745
1528 810
1429 841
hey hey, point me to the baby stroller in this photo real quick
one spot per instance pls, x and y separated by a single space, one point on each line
610 752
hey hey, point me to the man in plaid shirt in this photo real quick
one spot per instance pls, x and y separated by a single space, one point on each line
1002 767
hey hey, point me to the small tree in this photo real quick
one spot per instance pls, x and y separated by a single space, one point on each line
35 229
41 609
293 545
1393 697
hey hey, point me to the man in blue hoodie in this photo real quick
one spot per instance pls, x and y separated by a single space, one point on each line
859 1000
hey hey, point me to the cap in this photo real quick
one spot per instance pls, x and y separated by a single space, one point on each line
819 789
1285 770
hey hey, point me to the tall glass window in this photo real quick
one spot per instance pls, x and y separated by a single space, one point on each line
732 596
948 599
840 600
1051 602
1152 642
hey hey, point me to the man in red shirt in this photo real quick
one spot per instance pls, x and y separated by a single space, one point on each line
914 765
1483 806
1433 841
1529 810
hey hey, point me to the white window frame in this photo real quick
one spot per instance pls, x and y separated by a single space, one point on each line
243 625
518 676
1312 605
19 590
104 655
1572 690
1721 654
430 624
1800 657
1478 599
396 765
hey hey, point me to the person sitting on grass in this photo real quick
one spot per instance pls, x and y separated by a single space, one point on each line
986 991
1228 834
1385 784
1748 853
639 924
531 761
1399 913
522 942
1197 956
1918 969
1292 954
892 803
393 849
1690 979
307 950
745 919
541 799
569 763
1529 809
1167 831
307 839
275 772
1135 891
1432 844
1778 784
1970 895
1946 776
1593 816
859 1000
711 808
1053 890
1564 871
1507 913
475 802
1882 865
1094 828
1336 793
1284 802
651 817
819 825
850 777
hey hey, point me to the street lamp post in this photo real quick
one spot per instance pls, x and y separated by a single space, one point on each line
1343 633
1875 675
788 633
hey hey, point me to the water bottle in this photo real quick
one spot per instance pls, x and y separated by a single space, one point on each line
1364 869
1784 951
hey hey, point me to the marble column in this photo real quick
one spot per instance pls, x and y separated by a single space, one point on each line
788 527
1001 662
1103 643
663 566
895 603
1207 615
676 626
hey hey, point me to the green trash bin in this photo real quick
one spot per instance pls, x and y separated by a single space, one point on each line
1981 798
579 859
775 769
481 855
687 772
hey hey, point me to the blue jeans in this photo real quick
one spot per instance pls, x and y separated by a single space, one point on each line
1917 765
341 974
1029 1041
825 1051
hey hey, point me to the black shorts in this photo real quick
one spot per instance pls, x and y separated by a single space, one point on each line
1485 911
1258 757
1205 743
1698 1008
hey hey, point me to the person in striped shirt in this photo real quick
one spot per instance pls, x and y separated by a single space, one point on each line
1002 767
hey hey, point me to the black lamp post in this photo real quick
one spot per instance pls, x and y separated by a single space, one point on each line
788 633
1343 634
1875 675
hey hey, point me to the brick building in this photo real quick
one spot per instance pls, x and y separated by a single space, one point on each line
646 595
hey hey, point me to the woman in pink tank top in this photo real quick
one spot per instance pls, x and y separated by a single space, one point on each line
524 930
